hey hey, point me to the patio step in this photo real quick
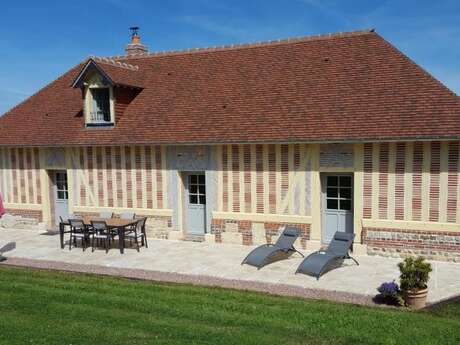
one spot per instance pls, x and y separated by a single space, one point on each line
194 238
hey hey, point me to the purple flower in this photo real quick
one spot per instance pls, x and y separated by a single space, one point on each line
389 289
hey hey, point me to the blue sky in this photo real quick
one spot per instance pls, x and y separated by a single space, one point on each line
40 40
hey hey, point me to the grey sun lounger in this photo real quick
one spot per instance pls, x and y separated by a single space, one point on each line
282 249
321 261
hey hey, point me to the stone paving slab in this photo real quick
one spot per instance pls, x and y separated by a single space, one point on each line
219 264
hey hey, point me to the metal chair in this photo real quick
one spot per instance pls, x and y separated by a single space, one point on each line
100 232
321 261
78 230
268 253
138 233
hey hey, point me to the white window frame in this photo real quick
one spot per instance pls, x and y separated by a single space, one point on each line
96 84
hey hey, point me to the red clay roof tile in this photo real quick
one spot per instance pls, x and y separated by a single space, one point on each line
349 87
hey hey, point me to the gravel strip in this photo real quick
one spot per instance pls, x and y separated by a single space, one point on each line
200 280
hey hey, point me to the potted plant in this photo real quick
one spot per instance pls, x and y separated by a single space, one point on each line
413 281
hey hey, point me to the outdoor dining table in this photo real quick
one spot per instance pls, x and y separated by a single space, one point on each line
112 223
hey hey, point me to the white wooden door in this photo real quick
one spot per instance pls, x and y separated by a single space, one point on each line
61 195
337 204
195 203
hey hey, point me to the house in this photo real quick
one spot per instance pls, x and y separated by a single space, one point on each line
337 132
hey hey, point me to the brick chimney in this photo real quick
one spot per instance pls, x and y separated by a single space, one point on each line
135 47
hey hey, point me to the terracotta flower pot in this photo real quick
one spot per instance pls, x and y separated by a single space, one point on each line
416 299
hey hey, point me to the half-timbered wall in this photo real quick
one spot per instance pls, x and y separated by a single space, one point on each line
412 182
265 179
119 177
20 181
411 199
407 194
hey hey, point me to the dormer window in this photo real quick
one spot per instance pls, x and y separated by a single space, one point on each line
99 83
99 105
99 112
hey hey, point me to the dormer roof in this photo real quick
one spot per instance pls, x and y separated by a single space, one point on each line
111 72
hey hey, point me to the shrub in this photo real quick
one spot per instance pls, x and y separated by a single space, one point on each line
414 273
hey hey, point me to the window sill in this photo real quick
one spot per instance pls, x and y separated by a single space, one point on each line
100 124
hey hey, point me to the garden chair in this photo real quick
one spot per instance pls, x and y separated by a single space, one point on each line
101 233
268 253
137 233
321 261
78 230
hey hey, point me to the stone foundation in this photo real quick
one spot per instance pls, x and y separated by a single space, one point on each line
246 232
21 221
434 245
158 227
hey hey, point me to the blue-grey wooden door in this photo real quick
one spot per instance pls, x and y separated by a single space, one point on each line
61 195
337 205
195 190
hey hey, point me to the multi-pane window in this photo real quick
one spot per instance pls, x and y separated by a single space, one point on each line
62 191
100 106
196 189
339 193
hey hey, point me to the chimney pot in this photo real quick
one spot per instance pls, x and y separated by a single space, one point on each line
135 47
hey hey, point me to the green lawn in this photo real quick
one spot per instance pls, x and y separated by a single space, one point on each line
40 307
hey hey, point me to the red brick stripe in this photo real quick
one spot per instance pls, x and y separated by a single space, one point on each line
236 177
90 171
29 175
272 178
399 180
225 178
37 168
434 181
367 183
383 181
148 179
118 175
452 182
417 181
139 189
284 173
22 178
160 191
108 159
129 182
99 183
247 178
82 186
259 179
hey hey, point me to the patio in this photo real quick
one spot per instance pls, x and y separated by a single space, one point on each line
219 265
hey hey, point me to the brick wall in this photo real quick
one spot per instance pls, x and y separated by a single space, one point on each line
437 245
26 213
254 233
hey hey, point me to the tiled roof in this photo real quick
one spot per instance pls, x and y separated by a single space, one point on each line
347 87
